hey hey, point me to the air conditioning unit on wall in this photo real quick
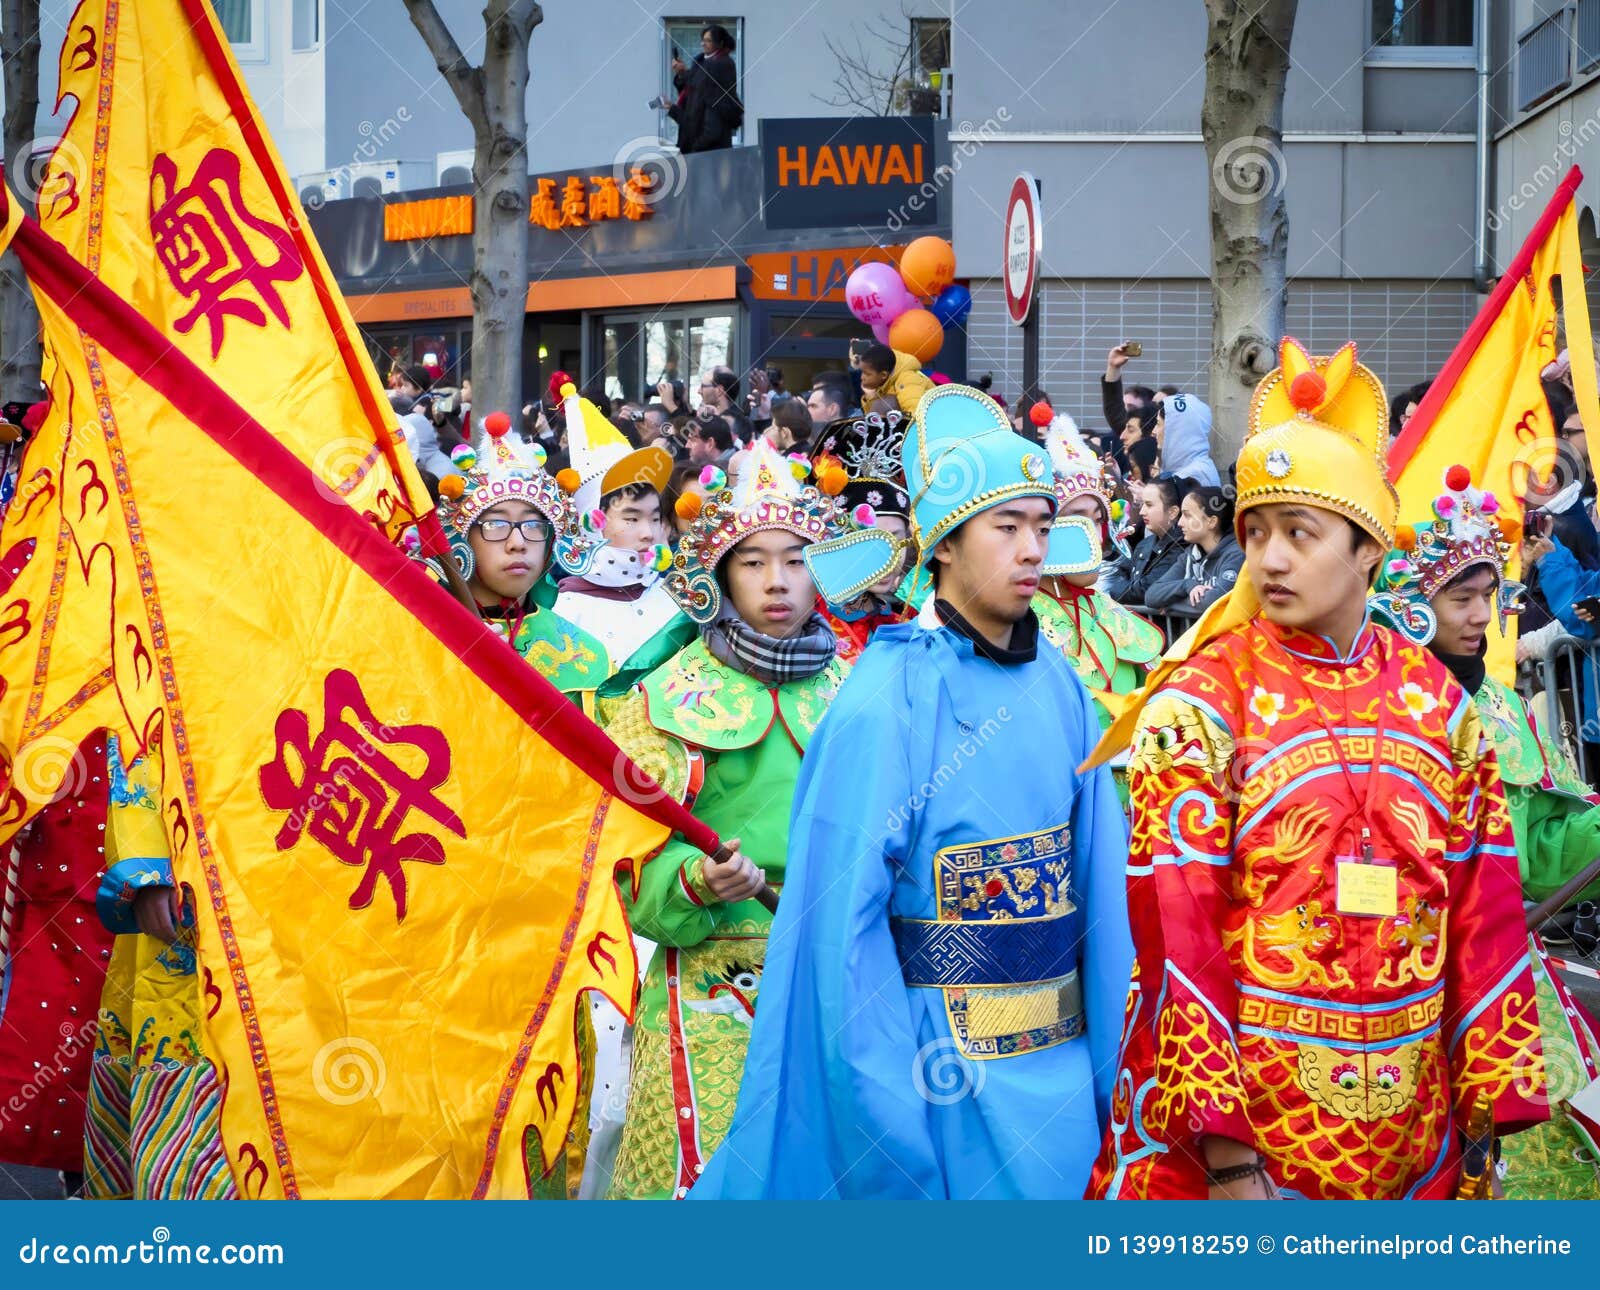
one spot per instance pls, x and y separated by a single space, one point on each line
317 187
453 167
390 176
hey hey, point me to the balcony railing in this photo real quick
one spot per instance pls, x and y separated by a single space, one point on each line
1544 58
1587 30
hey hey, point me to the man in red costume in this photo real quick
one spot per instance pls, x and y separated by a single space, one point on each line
1332 995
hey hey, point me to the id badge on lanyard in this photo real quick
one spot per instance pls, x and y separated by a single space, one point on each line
1368 887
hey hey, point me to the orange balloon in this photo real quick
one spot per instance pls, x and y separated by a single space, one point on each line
928 266
918 333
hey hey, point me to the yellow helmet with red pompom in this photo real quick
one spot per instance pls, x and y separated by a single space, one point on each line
1318 435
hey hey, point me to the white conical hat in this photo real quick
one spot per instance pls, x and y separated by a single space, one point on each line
603 459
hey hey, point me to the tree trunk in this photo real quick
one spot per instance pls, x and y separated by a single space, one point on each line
19 315
1241 120
494 98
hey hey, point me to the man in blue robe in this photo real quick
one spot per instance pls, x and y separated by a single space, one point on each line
944 986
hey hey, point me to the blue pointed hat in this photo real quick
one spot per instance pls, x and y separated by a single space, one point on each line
961 457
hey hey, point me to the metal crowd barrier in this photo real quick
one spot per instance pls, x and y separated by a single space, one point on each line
1554 686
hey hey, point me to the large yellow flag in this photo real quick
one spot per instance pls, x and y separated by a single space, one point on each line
166 186
1487 409
402 840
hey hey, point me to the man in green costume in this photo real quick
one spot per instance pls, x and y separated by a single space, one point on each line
721 726
1442 588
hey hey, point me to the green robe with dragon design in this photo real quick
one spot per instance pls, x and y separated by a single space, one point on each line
729 747
1558 832
563 653
1556 822
1109 647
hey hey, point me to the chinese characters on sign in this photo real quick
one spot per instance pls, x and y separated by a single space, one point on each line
575 202
349 788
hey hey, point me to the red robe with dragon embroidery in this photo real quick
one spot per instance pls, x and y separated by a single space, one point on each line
1347 1047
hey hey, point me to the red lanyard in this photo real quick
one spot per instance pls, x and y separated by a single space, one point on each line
513 625
1333 738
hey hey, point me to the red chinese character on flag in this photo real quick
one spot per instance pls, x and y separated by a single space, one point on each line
346 791
216 252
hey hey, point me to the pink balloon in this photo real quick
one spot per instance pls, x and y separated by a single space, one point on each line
881 332
876 294
903 304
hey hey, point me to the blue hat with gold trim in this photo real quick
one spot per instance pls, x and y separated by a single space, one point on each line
961 457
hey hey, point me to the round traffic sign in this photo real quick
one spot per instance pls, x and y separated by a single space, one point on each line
1024 243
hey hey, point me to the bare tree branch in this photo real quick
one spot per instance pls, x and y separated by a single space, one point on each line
859 79
465 80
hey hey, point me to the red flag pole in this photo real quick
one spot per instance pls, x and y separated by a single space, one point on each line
1410 439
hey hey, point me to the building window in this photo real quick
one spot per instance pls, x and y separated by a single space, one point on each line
307 24
1421 30
681 40
244 22
930 68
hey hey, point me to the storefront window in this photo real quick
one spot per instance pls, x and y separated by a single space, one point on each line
637 351
815 326
710 343
441 351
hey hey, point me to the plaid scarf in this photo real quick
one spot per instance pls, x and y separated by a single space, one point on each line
769 660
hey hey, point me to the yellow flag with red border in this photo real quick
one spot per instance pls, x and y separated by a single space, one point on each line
402 840
165 184
1487 409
